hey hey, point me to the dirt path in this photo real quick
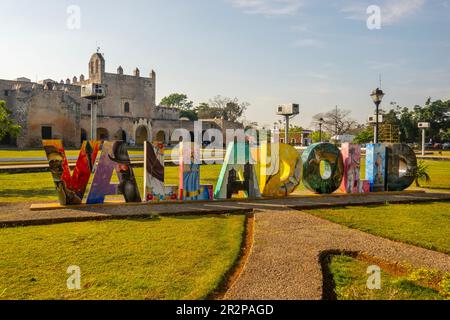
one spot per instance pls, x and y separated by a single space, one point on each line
284 263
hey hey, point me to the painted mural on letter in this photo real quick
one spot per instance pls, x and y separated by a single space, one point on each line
236 178
351 154
114 157
376 166
333 163
71 188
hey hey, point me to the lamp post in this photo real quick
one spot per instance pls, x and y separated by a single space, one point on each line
377 96
320 129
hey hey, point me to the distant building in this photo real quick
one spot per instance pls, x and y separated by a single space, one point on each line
55 110
298 139
343 138
22 79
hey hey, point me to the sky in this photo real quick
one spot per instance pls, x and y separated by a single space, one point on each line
317 53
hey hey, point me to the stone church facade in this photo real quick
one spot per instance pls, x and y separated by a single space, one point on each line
52 110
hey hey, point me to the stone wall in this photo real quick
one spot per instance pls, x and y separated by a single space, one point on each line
60 106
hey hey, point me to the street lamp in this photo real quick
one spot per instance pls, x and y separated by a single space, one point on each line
321 120
377 96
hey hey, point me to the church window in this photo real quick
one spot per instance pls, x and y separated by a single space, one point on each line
89 107
126 107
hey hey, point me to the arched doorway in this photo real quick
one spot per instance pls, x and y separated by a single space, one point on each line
102 134
141 135
121 135
161 137
84 135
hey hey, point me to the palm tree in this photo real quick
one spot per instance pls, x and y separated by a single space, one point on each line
422 173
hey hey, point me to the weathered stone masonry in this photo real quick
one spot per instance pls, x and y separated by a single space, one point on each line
48 109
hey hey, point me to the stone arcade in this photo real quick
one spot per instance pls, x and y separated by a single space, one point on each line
54 110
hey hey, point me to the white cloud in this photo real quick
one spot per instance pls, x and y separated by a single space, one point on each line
308 43
269 7
392 11
400 9
378 65
319 76
299 28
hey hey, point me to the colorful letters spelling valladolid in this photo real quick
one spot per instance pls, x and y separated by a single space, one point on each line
71 188
114 157
190 187
248 171
155 189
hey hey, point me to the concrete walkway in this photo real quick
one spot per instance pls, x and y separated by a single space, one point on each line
21 215
284 263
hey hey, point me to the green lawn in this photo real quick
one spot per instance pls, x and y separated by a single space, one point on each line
32 187
41 153
425 225
163 258
350 283
440 175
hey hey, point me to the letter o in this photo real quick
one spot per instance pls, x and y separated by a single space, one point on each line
334 168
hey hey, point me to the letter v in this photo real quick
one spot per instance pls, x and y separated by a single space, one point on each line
71 188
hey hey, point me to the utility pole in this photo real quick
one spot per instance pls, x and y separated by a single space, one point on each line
94 108
286 129
94 93
423 142
423 126
288 111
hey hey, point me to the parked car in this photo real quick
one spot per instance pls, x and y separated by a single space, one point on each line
428 146
437 146
446 146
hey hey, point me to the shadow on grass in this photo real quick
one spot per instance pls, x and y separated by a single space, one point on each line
36 193
329 286
436 187
340 208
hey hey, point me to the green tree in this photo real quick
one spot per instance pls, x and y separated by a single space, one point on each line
190 114
335 122
223 108
438 114
315 136
205 111
232 109
295 129
177 100
405 120
250 125
366 136
7 125
181 102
